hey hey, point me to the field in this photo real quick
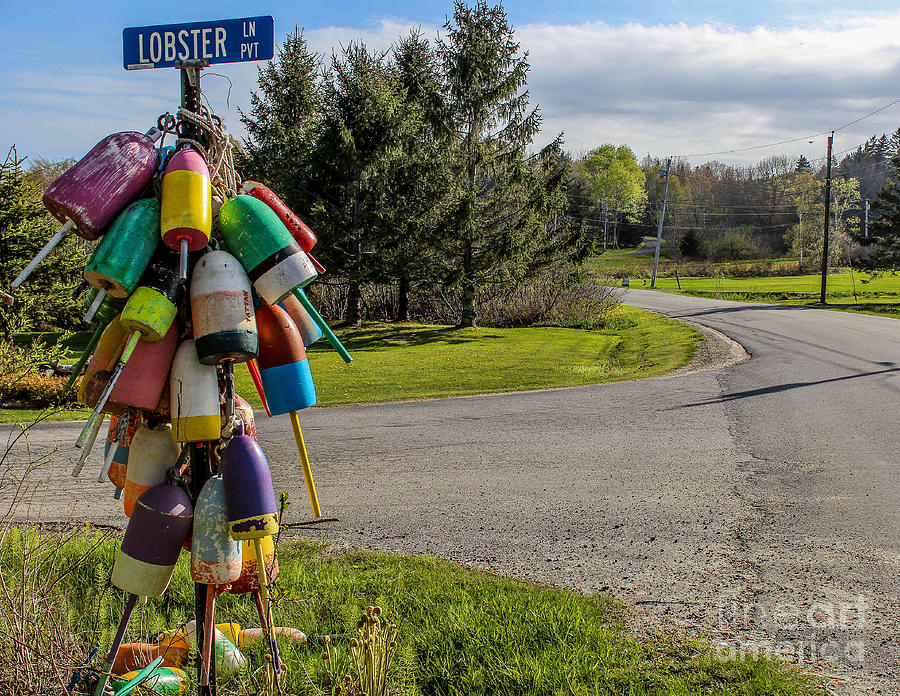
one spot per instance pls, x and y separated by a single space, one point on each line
873 295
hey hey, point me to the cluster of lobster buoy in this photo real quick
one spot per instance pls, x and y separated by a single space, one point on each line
185 283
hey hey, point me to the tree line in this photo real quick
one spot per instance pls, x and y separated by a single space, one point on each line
414 165
417 169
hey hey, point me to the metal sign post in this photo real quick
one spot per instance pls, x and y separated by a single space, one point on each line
190 48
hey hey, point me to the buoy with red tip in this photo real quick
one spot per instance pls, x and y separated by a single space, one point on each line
160 523
215 557
286 379
186 217
193 397
222 310
149 314
88 195
300 231
252 511
275 262
123 253
153 452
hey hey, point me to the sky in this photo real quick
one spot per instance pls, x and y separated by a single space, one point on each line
692 78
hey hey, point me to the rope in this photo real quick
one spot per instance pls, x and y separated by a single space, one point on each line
219 152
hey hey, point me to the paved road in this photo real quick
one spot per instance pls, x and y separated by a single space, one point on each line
760 501
648 248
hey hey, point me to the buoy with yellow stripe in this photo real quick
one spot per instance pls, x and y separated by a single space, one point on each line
186 215
148 314
193 397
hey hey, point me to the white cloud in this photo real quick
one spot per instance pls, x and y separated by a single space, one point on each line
664 89
693 89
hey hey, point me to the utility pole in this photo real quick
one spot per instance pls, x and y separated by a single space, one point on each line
866 223
827 220
801 243
605 210
662 215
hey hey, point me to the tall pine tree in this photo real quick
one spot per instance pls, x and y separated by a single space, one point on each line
884 231
495 223
284 121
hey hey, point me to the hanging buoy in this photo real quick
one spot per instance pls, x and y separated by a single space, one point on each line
194 397
186 220
159 524
148 314
222 310
88 195
117 448
286 379
153 452
123 253
274 261
283 366
215 557
300 231
142 380
252 512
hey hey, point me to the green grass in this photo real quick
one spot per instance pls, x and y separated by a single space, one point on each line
394 362
461 632
874 295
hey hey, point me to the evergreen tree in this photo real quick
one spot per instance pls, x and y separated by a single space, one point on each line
25 226
423 202
884 230
497 220
355 167
803 165
284 121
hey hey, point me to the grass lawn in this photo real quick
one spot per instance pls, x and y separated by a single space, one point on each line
461 632
874 295
394 362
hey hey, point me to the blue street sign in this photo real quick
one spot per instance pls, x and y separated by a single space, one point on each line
222 41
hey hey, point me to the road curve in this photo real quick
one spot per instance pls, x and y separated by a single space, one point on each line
759 502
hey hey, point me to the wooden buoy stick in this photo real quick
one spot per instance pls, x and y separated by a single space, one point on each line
107 462
316 317
104 397
263 624
116 644
209 630
183 259
88 446
85 356
95 305
304 464
42 254
264 595
257 382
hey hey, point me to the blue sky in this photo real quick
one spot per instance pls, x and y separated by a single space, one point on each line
665 77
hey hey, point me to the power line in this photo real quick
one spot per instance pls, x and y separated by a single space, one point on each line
794 140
